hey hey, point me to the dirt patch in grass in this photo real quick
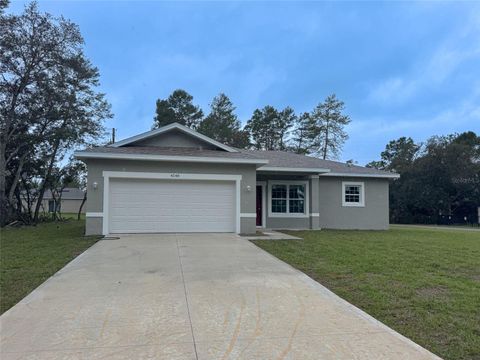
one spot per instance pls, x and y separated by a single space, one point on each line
435 292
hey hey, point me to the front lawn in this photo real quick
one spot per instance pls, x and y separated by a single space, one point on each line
423 283
29 255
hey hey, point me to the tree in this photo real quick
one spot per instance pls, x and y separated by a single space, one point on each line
222 124
439 181
398 155
285 121
330 122
269 128
72 175
3 5
302 141
178 107
48 99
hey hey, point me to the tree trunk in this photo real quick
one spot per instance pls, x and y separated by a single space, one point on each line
81 205
3 195
16 179
60 203
45 181
325 146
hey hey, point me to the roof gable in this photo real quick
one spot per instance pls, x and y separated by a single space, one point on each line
179 135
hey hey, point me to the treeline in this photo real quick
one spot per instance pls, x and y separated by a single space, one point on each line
319 132
439 179
48 106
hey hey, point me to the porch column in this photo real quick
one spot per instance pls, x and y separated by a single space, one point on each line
314 199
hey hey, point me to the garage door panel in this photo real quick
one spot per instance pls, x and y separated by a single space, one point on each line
171 206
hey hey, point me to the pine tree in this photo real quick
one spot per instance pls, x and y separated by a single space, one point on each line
178 107
222 123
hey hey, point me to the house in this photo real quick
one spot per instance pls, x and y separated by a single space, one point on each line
174 179
71 201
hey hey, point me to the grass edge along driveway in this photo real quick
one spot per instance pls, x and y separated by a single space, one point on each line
30 255
423 283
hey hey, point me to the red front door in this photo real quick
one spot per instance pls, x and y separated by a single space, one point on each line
259 205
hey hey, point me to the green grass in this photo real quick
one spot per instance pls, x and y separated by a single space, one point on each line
423 283
31 254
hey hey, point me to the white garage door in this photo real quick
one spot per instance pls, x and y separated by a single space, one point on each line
149 206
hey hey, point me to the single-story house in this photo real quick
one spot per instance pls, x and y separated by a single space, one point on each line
71 201
174 179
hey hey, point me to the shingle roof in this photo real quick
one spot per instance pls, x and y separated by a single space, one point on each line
290 160
170 151
276 159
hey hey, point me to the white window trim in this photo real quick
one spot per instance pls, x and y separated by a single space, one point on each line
288 214
107 175
362 193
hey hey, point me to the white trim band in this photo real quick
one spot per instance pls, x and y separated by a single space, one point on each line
293 169
386 176
174 176
248 215
94 214
314 214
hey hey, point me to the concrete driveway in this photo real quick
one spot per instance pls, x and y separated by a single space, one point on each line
208 296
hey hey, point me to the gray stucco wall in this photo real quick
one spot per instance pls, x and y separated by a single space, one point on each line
272 222
175 138
97 166
374 215
325 195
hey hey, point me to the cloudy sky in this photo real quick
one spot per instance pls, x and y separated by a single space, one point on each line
403 69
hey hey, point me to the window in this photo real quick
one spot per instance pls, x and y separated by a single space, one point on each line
353 194
288 198
297 199
279 198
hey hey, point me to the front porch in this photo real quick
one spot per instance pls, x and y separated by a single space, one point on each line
287 201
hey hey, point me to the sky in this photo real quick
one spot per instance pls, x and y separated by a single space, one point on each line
402 68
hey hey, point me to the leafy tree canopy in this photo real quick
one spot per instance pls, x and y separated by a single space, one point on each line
49 103
439 180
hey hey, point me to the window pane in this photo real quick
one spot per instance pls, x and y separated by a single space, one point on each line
279 206
279 191
297 206
352 193
352 189
297 192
